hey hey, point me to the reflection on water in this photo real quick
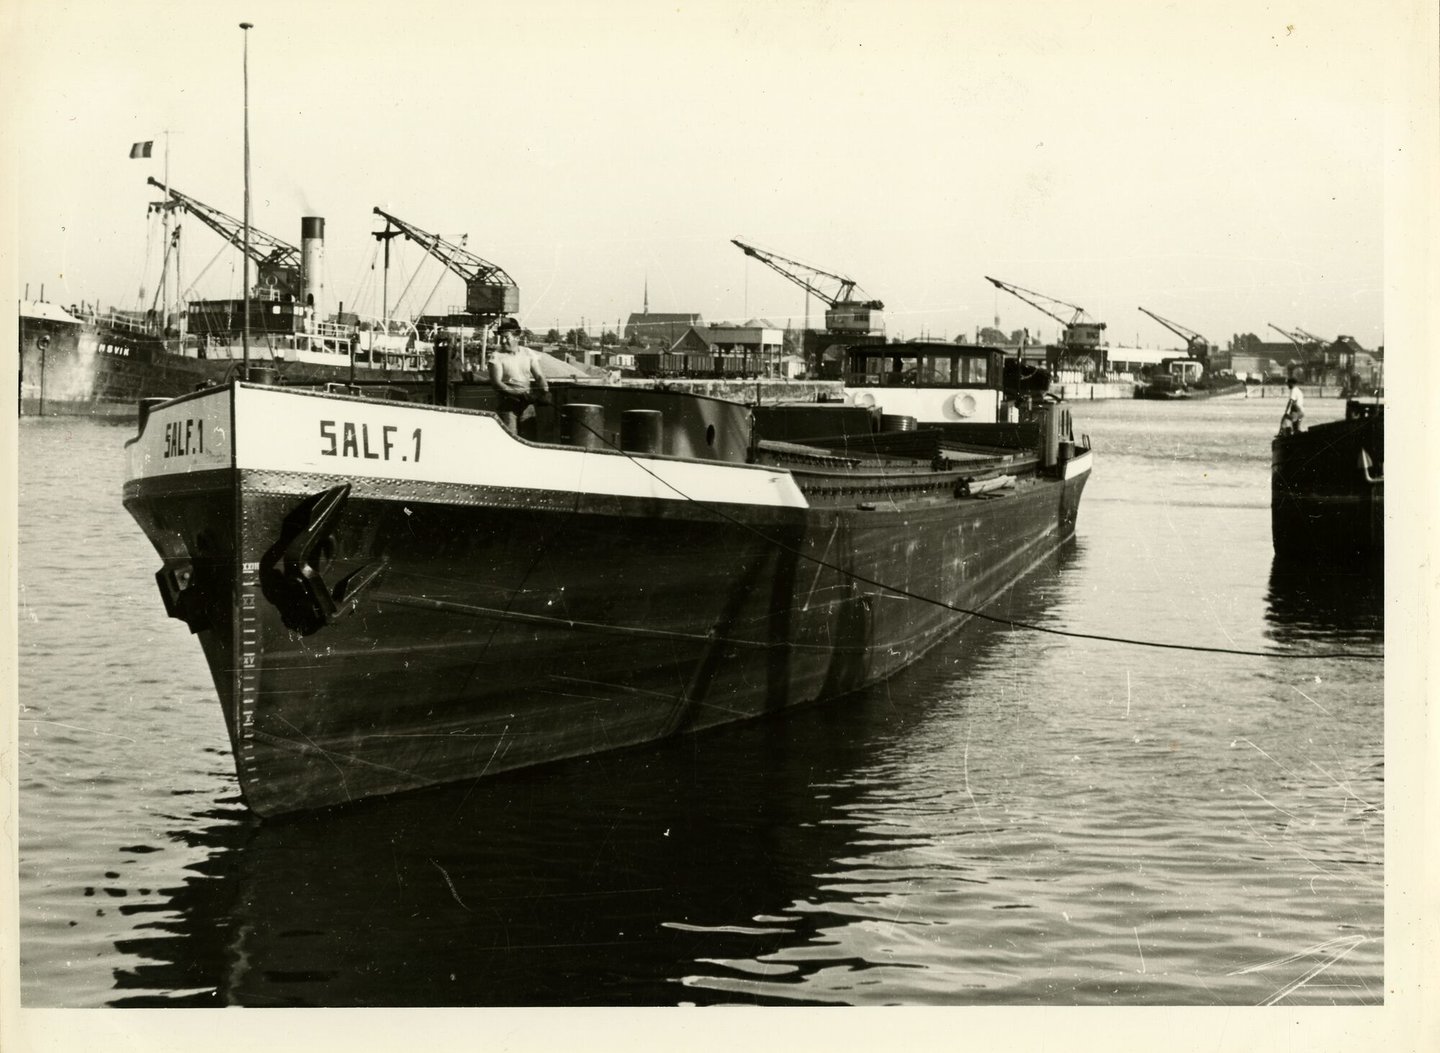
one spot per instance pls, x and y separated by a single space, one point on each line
1016 819
571 885
1336 603
618 879
181 935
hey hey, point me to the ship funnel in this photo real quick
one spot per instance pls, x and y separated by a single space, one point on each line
312 263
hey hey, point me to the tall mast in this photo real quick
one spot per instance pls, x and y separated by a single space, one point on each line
165 305
165 242
384 236
245 330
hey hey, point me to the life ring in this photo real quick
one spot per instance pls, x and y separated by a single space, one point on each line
42 342
963 405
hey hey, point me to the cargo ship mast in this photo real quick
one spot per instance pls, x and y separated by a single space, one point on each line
245 281
170 242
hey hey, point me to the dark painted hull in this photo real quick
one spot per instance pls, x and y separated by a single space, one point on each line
1327 494
53 351
513 627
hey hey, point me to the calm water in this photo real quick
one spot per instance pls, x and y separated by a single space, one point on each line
1019 819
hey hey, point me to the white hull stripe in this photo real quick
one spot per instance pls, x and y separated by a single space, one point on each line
1078 465
291 431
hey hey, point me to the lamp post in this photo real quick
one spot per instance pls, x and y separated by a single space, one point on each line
245 329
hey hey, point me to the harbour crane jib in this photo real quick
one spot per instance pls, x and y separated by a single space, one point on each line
279 269
489 291
1323 358
1301 338
843 312
1081 335
1293 338
1196 346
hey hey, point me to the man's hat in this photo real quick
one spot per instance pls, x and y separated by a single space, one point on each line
508 325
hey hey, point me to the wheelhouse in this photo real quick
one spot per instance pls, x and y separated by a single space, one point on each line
931 382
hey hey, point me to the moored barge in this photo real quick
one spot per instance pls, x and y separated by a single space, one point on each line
395 595
1327 487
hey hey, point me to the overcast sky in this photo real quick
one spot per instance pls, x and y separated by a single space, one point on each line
1221 164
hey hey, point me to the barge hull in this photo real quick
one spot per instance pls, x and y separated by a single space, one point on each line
1327 490
487 627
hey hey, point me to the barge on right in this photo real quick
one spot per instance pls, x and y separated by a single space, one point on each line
1327 486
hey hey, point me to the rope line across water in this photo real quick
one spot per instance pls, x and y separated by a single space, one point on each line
1365 656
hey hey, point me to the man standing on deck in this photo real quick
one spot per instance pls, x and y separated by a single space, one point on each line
1295 409
516 376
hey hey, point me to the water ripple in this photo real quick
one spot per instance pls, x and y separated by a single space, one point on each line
1017 820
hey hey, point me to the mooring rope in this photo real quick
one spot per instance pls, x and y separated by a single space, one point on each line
1012 623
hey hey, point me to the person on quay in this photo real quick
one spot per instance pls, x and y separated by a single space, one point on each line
1295 408
516 377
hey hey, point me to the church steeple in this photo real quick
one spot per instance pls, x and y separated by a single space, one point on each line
647 294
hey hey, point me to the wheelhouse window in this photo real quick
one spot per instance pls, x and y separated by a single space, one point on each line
920 370
973 370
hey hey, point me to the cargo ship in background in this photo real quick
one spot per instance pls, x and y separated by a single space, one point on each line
117 357
56 360
78 361
83 361
392 595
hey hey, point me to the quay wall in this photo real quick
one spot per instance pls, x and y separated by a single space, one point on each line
1085 392
1281 391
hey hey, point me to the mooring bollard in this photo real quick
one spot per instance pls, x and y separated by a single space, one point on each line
582 424
642 431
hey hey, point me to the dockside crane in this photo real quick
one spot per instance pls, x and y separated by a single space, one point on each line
848 320
1024 294
1303 341
1307 345
844 313
1316 345
1196 346
489 291
1344 355
1079 336
1301 338
277 263
1285 333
